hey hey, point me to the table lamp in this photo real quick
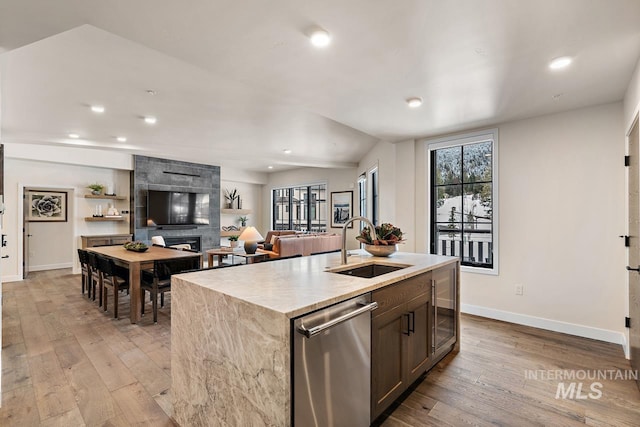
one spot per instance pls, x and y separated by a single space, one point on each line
251 237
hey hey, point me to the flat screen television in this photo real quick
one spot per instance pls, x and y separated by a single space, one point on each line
177 208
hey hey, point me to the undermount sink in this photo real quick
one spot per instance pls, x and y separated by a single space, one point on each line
369 271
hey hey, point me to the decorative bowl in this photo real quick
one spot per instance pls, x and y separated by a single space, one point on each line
137 250
380 250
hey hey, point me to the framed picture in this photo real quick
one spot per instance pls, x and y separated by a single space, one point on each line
47 206
341 208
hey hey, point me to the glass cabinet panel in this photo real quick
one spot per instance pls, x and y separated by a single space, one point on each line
444 305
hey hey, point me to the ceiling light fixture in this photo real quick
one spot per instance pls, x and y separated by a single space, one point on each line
121 139
414 102
151 92
97 108
269 167
560 63
150 120
320 38
286 151
74 135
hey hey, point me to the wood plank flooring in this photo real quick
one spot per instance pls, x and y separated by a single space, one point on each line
67 363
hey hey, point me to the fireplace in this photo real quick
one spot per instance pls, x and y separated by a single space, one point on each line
194 241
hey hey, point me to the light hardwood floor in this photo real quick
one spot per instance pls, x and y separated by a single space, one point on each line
67 363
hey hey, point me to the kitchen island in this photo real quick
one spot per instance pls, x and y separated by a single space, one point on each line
231 331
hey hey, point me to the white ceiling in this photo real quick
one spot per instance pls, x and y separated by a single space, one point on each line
237 82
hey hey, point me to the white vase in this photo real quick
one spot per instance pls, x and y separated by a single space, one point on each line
233 243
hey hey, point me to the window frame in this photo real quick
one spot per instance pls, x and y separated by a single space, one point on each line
462 140
310 221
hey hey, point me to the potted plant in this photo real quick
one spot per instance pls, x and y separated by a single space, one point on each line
243 220
385 239
96 189
233 241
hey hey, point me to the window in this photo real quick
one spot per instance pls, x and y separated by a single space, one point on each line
362 197
464 199
375 213
307 204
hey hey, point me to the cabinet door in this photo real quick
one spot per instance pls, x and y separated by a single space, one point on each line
419 340
388 331
444 305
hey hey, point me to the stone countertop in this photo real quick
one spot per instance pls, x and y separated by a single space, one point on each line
296 286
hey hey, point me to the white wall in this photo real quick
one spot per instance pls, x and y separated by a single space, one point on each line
41 255
251 195
20 173
336 179
632 99
562 208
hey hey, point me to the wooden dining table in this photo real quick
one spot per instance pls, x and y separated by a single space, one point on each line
136 262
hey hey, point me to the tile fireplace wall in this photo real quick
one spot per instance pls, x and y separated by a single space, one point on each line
151 173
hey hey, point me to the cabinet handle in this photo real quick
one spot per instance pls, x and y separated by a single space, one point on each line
412 316
408 332
434 307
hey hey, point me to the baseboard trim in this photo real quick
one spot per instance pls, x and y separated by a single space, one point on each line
548 324
14 278
50 266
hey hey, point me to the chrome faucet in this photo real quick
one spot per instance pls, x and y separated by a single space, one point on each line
343 252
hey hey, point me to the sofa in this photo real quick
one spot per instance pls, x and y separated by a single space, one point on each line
303 244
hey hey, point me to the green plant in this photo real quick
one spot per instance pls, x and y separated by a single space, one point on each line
95 187
243 220
233 238
386 234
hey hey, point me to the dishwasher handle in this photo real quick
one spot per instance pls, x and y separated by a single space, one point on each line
311 332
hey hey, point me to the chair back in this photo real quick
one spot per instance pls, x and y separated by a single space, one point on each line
83 256
93 260
106 266
163 269
158 240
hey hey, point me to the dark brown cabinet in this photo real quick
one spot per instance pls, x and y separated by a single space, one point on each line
401 339
414 327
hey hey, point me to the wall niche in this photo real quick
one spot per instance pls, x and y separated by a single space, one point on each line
150 173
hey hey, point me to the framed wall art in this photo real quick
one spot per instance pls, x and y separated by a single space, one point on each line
47 206
341 208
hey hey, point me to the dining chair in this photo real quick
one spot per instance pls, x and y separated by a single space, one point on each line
83 256
111 279
95 280
158 281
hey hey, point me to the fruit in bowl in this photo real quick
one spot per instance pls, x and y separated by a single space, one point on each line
136 246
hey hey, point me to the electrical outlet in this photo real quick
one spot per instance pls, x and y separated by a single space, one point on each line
519 289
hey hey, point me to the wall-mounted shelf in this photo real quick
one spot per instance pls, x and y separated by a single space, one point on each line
224 233
236 211
102 218
104 197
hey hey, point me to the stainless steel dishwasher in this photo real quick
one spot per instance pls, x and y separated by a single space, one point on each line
332 365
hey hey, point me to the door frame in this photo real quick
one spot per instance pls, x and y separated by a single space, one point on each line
71 217
627 342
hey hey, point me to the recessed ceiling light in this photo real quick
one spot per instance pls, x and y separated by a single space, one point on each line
320 38
286 151
150 120
122 139
97 108
74 135
269 167
560 63
414 102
